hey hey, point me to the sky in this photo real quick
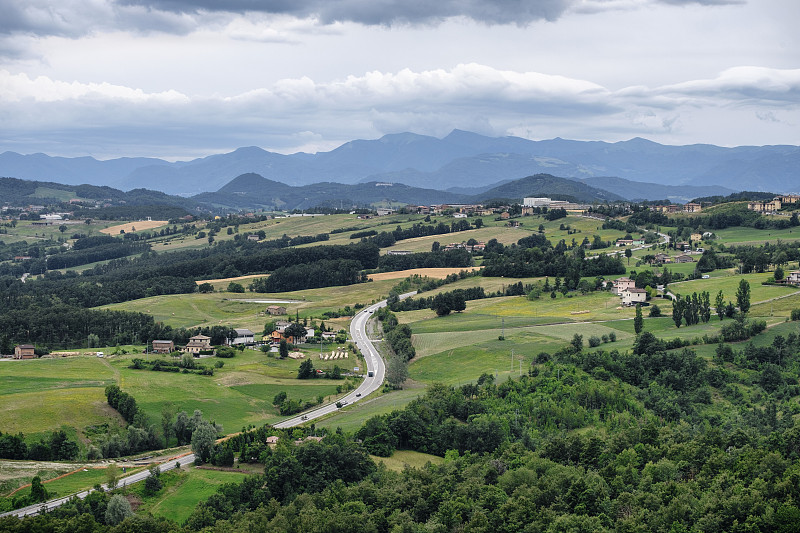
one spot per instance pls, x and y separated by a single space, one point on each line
180 79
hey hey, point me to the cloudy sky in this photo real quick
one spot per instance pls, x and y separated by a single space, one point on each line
185 78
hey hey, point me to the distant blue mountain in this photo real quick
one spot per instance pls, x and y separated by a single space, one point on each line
460 161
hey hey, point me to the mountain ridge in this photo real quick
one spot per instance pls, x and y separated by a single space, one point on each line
461 159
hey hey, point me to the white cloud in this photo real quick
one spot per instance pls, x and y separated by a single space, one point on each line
305 114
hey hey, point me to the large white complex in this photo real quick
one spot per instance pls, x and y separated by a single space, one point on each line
537 202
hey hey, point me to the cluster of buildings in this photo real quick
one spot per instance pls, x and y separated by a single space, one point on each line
549 203
626 289
664 259
771 206
457 210
691 207
480 247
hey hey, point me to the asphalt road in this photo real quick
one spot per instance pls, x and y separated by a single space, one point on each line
134 478
375 364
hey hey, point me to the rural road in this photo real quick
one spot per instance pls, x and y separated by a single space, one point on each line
374 362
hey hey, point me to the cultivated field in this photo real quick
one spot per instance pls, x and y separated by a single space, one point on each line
130 227
437 273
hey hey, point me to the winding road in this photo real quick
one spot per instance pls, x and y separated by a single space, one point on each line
375 366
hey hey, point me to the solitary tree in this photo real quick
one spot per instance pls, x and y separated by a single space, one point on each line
628 254
203 438
153 483
719 305
206 287
638 320
306 370
38 492
577 342
283 349
743 296
118 510
396 371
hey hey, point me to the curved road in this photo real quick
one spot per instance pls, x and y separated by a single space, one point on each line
374 362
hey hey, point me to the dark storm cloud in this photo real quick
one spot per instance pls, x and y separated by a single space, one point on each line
379 12
74 18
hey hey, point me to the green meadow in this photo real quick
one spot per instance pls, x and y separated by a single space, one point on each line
183 489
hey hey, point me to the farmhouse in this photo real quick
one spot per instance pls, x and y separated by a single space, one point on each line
793 277
281 325
277 336
197 344
633 296
382 212
630 242
163 346
662 258
24 351
276 310
622 284
692 208
243 336
399 252
328 336
684 259
252 237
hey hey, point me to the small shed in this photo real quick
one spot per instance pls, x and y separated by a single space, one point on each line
24 351
276 310
163 346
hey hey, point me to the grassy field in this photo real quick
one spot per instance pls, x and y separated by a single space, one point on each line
756 237
352 417
730 284
231 309
26 231
183 489
45 394
402 459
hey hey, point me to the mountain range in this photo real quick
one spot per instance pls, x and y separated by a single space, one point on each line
462 162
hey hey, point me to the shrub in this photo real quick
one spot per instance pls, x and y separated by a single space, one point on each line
594 341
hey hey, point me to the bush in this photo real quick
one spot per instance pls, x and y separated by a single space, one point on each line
594 341
655 311
226 352
795 314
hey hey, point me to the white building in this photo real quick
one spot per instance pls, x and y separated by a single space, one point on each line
633 296
536 202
